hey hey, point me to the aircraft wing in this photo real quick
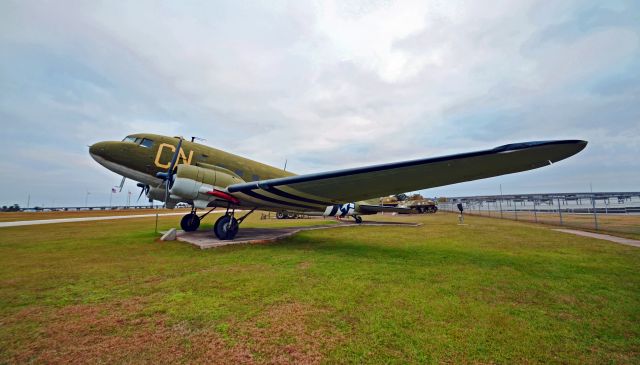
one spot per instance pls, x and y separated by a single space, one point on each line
351 185
364 208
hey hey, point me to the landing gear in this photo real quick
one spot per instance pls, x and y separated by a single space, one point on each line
190 222
227 226
358 219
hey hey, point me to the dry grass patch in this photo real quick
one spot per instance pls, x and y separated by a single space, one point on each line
120 333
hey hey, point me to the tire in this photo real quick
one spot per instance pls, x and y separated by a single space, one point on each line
226 227
358 219
190 222
280 215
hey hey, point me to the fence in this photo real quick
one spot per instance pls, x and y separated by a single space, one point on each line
617 213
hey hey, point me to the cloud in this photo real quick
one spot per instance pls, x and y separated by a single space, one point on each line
325 85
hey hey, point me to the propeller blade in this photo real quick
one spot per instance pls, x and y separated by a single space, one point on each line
166 176
122 183
174 159
144 188
166 193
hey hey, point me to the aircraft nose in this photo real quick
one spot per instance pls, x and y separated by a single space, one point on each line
98 149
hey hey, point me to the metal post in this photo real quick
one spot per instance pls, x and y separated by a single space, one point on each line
28 200
535 211
595 215
560 212
500 201
515 208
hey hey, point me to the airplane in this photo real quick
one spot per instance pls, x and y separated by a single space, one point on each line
174 170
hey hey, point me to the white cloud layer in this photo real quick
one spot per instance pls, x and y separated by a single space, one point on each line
325 84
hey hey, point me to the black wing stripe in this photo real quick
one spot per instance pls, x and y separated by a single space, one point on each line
284 194
277 201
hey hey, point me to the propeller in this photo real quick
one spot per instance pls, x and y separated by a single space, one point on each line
144 189
167 176
122 183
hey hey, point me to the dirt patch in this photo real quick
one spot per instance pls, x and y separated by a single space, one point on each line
286 333
304 265
121 333
117 333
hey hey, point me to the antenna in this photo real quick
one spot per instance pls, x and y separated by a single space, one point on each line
285 165
194 138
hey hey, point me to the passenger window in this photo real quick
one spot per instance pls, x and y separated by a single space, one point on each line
146 143
238 172
255 178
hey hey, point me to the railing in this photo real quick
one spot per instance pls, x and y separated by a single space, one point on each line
592 211
114 207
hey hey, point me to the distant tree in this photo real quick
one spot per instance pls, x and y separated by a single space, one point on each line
416 197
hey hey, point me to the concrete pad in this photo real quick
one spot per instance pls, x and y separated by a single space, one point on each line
207 239
171 235
620 240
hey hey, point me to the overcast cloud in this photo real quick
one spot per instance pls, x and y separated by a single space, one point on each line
326 85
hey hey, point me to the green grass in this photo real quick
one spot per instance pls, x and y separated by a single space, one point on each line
493 291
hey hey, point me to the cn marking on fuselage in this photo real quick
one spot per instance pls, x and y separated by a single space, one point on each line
181 156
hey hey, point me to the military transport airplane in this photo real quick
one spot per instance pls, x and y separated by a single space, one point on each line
173 170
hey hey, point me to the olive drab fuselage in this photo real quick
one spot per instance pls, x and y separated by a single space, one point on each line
156 158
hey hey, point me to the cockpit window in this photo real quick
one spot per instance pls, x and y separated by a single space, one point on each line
129 139
146 143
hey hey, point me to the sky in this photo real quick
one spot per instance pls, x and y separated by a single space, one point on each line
324 85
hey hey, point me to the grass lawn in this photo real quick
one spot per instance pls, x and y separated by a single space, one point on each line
492 291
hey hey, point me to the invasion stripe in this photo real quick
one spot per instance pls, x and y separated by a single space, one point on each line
284 194
277 201
334 210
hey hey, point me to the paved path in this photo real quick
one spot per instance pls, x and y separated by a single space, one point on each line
84 219
620 240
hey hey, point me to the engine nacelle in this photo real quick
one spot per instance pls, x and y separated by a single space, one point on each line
156 193
196 183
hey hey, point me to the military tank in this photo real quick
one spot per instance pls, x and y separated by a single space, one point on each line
415 202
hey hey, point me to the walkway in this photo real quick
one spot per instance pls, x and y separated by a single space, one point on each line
85 219
620 240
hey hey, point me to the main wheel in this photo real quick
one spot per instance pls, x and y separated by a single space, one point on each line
280 215
358 219
190 222
226 227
